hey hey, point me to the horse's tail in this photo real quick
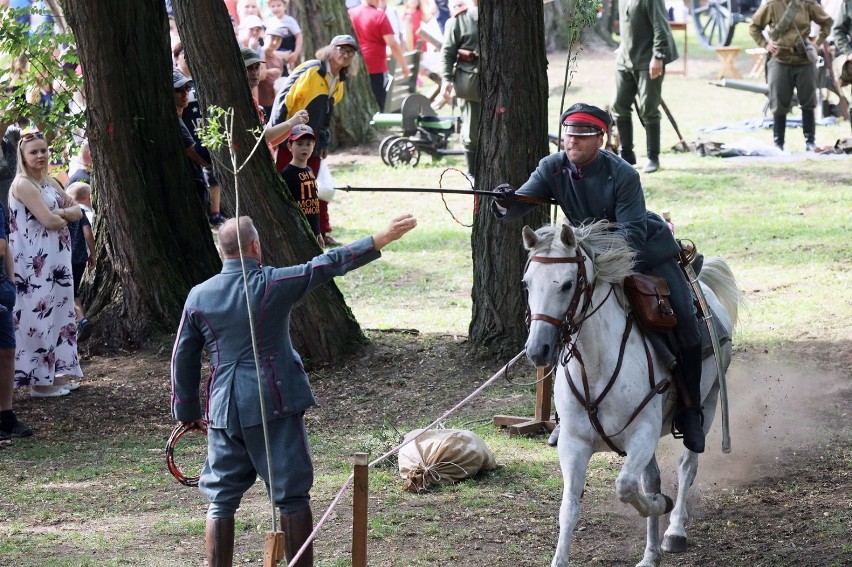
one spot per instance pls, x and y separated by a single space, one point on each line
717 275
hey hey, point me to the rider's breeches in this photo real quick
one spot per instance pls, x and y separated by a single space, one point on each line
687 331
236 456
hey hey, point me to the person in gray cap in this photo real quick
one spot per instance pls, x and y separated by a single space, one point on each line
317 86
591 184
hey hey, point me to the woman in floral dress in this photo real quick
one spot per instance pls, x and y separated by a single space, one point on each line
45 325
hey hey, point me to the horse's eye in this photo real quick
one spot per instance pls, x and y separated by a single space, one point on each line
566 287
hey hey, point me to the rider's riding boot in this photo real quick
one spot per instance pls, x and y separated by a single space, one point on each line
809 127
470 157
779 127
297 527
625 138
652 136
219 540
689 420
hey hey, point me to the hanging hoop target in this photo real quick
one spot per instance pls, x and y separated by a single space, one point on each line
179 431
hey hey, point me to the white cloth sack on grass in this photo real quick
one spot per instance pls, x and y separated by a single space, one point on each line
325 183
443 456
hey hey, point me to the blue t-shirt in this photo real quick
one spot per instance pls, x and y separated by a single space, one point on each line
79 248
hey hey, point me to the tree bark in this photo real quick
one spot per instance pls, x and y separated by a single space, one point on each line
325 19
153 238
323 327
513 138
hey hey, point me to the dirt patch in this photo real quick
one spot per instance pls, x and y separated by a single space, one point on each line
781 498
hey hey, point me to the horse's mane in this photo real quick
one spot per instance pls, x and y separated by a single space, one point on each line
605 242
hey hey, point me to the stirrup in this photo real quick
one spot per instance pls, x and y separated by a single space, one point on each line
676 434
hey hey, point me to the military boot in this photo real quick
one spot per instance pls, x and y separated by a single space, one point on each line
625 137
470 157
652 136
779 127
297 527
688 420
219 540
809 128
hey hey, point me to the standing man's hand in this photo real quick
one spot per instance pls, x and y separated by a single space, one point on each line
395 230
447 91
655 69
772 47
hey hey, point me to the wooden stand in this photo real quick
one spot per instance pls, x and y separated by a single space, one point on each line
542 420
728 55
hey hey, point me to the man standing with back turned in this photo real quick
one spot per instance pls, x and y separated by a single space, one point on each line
646 48
215 317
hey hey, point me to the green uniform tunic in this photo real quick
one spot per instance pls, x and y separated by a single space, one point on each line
462 32
645 30
790 68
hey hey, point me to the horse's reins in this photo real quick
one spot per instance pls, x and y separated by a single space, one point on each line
568 327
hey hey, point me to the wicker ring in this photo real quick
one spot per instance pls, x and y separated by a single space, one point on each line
178 432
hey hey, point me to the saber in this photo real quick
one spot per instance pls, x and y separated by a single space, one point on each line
522 198
686 258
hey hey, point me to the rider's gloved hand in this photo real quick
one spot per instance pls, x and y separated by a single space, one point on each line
507 197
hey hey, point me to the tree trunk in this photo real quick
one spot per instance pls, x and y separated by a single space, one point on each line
513 138
153 238
323 328
324 20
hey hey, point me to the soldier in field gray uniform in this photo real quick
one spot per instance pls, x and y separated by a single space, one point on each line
591 184
646 48
215 318
783 27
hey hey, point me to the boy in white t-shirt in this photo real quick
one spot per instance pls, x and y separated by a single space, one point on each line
291 43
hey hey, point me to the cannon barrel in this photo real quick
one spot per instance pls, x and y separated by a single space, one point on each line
742 86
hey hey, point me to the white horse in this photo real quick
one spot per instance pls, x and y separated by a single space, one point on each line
604 394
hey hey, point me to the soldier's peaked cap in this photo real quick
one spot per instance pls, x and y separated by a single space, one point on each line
582 113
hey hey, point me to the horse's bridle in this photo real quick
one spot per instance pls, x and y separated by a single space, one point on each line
568 325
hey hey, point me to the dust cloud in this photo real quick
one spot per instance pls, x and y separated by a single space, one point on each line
775 409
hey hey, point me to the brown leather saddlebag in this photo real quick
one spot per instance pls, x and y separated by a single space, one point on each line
649 298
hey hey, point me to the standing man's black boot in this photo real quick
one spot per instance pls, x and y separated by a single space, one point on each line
625 140
652 136
809 128
219 540
779 127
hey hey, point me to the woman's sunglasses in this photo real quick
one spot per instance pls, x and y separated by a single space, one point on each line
32 136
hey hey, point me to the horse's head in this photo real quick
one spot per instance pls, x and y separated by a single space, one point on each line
556 278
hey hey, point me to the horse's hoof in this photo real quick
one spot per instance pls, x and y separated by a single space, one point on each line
650 561
669 504
674 544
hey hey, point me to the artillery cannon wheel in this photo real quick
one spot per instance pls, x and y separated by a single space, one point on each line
383 147
714 21
402 151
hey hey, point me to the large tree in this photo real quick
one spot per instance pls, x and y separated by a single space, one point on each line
153 238
513 138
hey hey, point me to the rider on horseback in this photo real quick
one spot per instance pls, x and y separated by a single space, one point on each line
591 184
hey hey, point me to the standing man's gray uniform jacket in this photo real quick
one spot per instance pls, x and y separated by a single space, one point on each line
215 316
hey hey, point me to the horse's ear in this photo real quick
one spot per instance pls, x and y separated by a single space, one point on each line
567 237
530 238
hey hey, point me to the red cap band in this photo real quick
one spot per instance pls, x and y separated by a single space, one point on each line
586 118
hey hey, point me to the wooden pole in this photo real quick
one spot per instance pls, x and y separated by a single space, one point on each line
273 548
359 510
